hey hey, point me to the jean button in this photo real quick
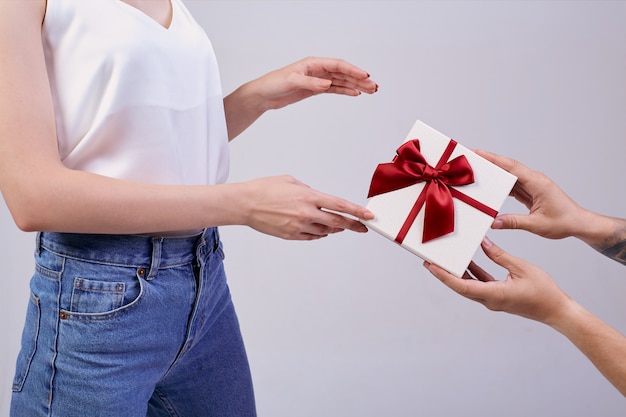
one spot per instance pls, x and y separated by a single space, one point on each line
141 272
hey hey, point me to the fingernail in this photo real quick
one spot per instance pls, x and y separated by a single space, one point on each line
376 88
497 224
487 243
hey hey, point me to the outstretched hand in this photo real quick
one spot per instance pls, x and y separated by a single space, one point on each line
291 84
527 291
311 76
552 213
284 207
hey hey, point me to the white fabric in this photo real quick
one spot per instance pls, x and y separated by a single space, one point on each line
133 99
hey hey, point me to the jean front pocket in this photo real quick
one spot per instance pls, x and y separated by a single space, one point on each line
91 291
91 296
29 343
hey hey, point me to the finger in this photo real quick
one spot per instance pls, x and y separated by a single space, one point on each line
500 257
317 66
512 221
528 181
309 83
352 89
334 83
339 205
336 222
308 236
522 195
503 162
468 288
349 78
466 275
356 226
479 273
525 176
343 91
324 230
349 83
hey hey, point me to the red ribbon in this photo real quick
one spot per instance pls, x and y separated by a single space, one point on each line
410 167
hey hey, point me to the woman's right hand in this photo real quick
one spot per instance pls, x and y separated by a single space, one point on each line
284 207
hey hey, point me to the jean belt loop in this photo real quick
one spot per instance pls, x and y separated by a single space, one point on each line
157 245
200 248
38 243
216 239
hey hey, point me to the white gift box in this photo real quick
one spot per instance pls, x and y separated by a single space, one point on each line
452 251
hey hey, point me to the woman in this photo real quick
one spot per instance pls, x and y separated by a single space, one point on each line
113 146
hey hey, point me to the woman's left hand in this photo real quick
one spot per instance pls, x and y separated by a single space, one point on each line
291 84
311 76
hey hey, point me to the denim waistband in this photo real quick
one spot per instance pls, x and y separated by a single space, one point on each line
130 250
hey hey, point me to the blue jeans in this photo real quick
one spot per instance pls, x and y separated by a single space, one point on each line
131 326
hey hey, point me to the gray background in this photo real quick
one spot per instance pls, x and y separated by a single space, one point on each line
353 325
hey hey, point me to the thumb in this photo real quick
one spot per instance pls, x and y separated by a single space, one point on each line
512 221
499 255
313 84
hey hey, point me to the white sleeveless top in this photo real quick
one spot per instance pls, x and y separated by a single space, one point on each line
135 100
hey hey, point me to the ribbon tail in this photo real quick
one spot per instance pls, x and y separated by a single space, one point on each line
390 176
438 212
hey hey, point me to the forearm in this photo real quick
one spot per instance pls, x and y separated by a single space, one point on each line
81 202
605 234
604 346
242 108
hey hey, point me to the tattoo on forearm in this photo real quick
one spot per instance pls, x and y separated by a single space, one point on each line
617 252
614 246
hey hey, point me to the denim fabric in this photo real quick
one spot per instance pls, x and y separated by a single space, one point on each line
131 326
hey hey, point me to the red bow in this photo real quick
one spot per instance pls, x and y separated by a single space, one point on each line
410 167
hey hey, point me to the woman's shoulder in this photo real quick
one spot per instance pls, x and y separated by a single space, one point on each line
24 12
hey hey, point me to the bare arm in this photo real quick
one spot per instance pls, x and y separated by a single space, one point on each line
39 191
608 237
530 292
42 194
602 344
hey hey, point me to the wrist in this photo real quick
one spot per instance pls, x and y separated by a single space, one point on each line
242 107
249 98
230 204
577 323
594 229
565 315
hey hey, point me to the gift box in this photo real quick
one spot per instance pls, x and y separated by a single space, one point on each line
437 198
